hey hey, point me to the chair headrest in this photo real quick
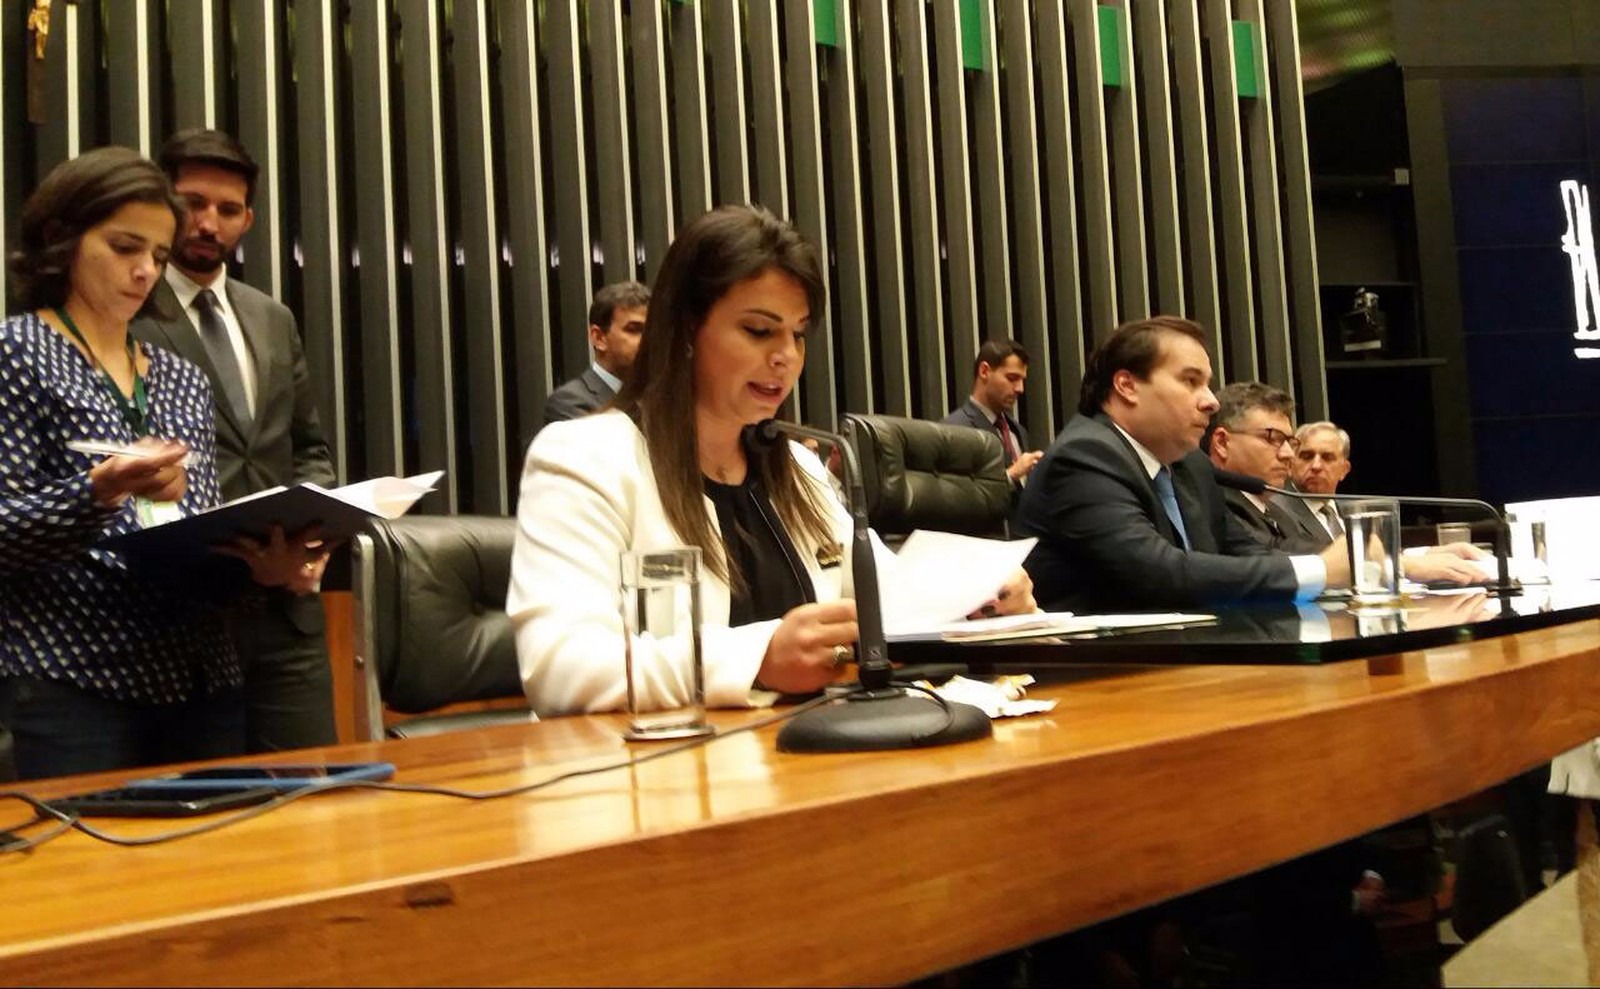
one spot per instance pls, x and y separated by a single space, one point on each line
930 475
441 635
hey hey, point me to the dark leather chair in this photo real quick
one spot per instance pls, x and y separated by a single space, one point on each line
432 631
930 475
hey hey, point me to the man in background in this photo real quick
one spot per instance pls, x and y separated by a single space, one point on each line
1322 459
1000 374
268 432
1252 434
616 324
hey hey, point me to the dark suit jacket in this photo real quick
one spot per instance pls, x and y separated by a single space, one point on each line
971 415
284 444
1105 543
1301 524
578 397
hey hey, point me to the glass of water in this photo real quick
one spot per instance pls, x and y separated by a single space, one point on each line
664 666
1373 531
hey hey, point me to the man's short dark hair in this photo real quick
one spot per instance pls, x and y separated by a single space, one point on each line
1237 400
1133 347
995 352
617 295
202 146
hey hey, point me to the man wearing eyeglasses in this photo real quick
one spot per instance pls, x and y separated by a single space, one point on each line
1252 434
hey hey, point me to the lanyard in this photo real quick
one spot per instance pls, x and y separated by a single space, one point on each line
133 412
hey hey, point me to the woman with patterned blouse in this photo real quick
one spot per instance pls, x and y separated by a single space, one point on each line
102 667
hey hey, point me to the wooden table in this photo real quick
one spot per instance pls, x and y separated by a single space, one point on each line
736 864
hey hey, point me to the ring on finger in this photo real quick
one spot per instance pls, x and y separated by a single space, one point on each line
842 655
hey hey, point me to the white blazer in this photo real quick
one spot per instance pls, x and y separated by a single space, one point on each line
588 494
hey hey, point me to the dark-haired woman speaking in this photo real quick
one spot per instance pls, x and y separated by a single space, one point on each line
673 463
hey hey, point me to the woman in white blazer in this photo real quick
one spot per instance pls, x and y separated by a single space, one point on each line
671 462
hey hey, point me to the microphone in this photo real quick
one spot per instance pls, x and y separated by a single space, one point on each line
881 715
1502 531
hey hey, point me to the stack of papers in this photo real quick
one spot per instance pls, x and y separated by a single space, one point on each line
1045 623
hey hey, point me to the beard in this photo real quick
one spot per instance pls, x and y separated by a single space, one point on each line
189 260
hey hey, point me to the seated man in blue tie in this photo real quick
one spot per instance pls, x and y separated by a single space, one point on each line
1125 506
1000 373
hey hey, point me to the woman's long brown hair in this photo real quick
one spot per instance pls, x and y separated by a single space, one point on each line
708 257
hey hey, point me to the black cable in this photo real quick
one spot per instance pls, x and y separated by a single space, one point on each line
44 812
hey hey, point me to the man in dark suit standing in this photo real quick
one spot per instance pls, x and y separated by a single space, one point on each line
1000 374
1252 434
268 433
616 323
1125 506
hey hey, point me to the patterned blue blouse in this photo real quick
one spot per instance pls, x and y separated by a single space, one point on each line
69 611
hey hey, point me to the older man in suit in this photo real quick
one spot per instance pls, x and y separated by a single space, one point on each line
268 433
1321 462
616 324
1000 374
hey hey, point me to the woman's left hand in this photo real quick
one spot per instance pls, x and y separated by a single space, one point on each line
294 563
1014 598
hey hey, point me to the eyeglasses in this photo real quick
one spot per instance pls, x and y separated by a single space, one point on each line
1274 438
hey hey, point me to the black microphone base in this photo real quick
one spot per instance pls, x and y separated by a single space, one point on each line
881 720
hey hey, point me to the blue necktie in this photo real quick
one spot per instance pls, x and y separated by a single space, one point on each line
1169 501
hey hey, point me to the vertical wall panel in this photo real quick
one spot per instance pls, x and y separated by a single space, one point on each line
1094 191
1066 284
612 146
692 133
1127 182
955 196
480 251
1238 294
1267 228
994 235
193 37
428 240
1149 37
821 404
260 47
728 121
1194 142
570 169
376 240
1300 254
653 160
854 325
1033 327
130 75
316 44
926 270
888 316
525 217
770 178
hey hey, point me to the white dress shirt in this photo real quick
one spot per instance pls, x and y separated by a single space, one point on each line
187 290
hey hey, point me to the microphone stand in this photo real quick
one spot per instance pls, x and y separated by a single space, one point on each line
880 715
1504 586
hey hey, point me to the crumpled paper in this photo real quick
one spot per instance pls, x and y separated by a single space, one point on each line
1004 698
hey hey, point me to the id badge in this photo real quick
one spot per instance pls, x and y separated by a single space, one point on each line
155 512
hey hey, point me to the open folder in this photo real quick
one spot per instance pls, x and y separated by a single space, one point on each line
341 512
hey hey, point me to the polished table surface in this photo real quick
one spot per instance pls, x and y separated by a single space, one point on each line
734 863
1322 631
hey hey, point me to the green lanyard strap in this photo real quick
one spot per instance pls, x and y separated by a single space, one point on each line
134 412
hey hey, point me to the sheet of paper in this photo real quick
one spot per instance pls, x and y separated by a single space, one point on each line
388 497
1001 626
941 577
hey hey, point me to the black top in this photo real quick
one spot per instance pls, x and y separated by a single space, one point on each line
771 578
